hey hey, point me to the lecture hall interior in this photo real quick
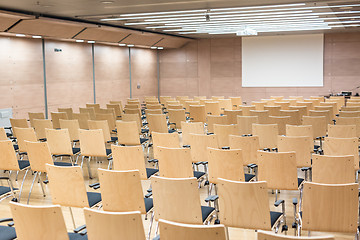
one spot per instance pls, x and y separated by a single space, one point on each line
179 120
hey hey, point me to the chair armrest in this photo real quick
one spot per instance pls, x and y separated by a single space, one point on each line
210 134
278 202
225 148
4 178
212 198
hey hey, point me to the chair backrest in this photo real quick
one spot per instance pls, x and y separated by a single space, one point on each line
127 158
318 124
38 154
8 160
236 102
127 132
299 130
342 131
199 144
121 191
244 124
246 109
177 116
157 123
90 111
281 121
69 112
107 111
215 119
83 119
267 134
326 108
96 106
179 231
349 121
176 199
19 123
132 117
323 167
175 106
109 117
223 132
330 208
55 116
92 143
225 104
188 128
101 124
153 111
303 110
248 145
349 108
278 169
342 146
283 104
153 106
59 141
263 116
259 106
302 146
134 105
67 186
3 135
40 125
349 114
117 108
40 222
250 210
326 114
197 113
273 110
24 134
188 103
212 108
72 126
114 225
295 117
232 115
32 116
175 162
261 235
170 140
226 164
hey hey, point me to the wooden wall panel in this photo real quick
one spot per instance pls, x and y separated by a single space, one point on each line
144 72
111 73
219 69
21 80
69 75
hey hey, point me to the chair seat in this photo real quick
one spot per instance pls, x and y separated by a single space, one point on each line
108 152
148 204
248 177
5 190
142 140
77 236
198 174
206 211
93 198
75 150
151 171
63 164
171 130
300 181
23 164
274 217
7 233
16 147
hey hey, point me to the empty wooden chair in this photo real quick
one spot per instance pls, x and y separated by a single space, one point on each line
212 108
303 110
349 108
179 231
175 106
326 114
40 125
176 116
41 222
19 123
68 111
308 105
188 128
349 114
318 124
90 111
236 102
349 121
263 116
342 131
331 215
267 134
281 121
199 144
283 104
55 116
301 145
178 200
299 130
104 126
323 167
127 158
153 106
128 133
153 111
169 140
225 104
215 119
223 132
259 106
73 127
249 144
273 110
246 110
244 124
83 119
231 115
246 212
96 106
326 108
24 134
32 116
197 113
134 117
117 108
109 117
295 117
158 123
114 225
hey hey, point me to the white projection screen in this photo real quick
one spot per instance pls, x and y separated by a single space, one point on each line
283 61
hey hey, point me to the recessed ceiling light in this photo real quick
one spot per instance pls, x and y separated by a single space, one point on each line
91 41
153 47
79 40
130 45
107 2
122 44
20 35
36 37
160 48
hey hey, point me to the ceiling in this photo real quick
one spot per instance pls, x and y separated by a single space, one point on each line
175 20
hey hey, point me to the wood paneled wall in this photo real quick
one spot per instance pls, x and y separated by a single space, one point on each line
212 67
21 75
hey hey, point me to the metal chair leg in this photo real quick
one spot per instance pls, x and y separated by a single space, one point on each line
72 217
151 223
41 184
31 187
22 184
89 170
